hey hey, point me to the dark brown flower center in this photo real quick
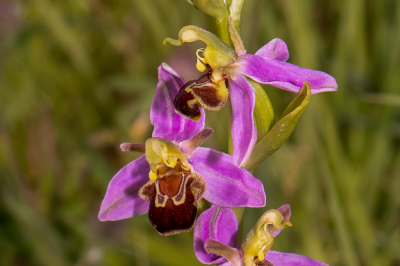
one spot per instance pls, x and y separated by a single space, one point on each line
202 91
173 198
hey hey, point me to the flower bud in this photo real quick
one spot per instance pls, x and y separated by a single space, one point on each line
260 239
214 8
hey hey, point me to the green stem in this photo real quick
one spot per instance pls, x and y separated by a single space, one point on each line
223 30
239 212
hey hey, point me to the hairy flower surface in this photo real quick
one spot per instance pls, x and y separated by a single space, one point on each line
180 172
267 66
215 240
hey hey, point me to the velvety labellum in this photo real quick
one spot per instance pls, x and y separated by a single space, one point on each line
173 199
200 92
185 104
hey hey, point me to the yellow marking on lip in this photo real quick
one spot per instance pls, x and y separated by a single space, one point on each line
192 102
196 118
158 193
181 187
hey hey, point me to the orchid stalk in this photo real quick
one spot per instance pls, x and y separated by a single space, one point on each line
175 173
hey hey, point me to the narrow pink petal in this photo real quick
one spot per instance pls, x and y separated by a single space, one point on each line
167 123
122 197
275 49
217 223
244 132
227 184
291 259
284 75
190 145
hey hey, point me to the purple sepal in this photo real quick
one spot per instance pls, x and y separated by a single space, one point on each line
244 131
286 212
227 184
291 259
275 49
216 223
284 75
122 198
167 123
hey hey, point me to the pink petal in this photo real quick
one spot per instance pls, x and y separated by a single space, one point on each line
284 75
216 223
122 197
244 132
291 259
227 184
275 49
167 123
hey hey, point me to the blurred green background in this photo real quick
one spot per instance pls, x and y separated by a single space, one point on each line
77 79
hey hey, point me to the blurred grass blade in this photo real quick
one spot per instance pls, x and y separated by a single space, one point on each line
36 230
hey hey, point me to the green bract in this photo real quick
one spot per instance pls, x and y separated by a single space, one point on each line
281 131
263 111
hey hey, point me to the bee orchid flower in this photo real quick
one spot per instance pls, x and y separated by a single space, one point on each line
215 240
175 173
232 67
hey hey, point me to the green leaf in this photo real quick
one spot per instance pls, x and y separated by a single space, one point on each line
263 111
281 131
